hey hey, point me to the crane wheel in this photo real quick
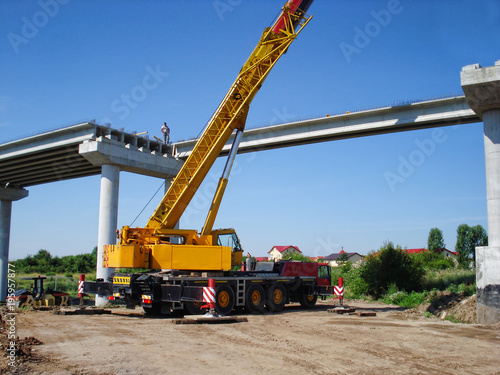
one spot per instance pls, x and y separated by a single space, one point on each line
276 297
224 299
306 300
255 298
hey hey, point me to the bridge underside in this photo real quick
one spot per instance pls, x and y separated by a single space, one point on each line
55 156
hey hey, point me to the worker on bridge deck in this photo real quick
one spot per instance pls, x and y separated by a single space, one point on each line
166 133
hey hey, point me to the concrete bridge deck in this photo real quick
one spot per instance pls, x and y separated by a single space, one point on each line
419 115
77 151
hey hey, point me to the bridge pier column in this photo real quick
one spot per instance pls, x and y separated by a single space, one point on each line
7 195
108 219
482 89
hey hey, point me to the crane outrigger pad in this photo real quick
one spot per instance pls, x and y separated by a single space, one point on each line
210 320
342 309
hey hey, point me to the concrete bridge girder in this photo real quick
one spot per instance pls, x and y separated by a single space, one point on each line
421 115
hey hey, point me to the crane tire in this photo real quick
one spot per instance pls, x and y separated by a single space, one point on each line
276 297
306 300
224 299
255 298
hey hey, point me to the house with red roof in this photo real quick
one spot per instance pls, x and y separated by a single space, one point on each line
282 252
445 252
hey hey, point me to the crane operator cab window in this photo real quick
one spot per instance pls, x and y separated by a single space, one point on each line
229 240
324 274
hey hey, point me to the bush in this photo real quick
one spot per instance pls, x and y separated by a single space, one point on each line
391 266
354 286
466 289
433 261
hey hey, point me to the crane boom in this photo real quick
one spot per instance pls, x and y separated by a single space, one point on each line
159 245
230 115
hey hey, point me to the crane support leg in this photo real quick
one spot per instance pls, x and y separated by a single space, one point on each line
221 187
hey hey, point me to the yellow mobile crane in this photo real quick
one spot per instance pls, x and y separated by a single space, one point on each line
187 258
157 245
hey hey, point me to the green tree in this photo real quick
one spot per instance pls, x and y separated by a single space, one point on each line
468 238
343 257
435 242
462 246
43 261
477 237
297 256
391 265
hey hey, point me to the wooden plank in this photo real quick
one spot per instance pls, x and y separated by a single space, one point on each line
82 312
342 310
364 314
214 320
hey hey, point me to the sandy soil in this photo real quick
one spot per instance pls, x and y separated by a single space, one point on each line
292 342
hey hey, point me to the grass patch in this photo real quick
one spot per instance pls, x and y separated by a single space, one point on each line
450 278
453 319
404 299
64 283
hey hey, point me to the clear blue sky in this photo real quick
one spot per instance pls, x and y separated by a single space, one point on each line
67 61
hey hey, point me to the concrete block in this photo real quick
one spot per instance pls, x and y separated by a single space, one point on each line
130 158
12 194
488 284
481 87
471 67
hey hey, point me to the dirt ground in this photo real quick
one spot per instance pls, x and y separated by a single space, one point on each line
294 341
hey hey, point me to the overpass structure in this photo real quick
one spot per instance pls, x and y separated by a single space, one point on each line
77 151
419 115
93 149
